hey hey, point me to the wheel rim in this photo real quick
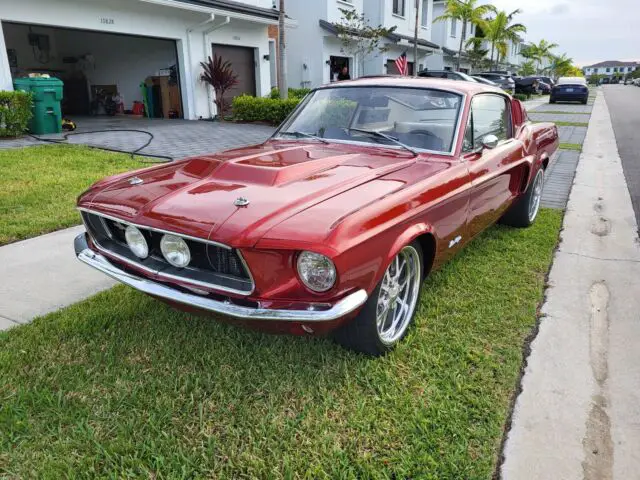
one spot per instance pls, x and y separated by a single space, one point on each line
398 295
536 196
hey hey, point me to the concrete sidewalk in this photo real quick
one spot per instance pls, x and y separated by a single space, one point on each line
578 416
41 275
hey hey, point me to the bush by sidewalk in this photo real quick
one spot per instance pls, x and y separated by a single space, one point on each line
293 92
256 109
15 113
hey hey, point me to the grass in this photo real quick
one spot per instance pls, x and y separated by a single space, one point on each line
40 185
572 124
570 146
561 113
122 386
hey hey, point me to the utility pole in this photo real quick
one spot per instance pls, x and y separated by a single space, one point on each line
415 39
282 63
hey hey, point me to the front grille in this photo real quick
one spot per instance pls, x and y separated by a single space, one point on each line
211 265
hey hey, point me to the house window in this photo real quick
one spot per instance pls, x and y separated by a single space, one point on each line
615 69
595 70
454 25
398 7
425 13
608 69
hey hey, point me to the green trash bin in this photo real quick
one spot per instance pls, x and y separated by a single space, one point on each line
47 95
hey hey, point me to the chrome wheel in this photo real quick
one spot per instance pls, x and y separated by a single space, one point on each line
398 295
536 195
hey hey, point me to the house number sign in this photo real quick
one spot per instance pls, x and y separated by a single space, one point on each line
107 21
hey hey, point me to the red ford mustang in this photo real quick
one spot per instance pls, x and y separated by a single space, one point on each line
332 224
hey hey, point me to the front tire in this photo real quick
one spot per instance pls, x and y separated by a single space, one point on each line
390 309
525 211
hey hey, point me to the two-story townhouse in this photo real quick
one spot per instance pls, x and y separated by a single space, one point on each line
447 34
611 68
117 45
315 53
401 14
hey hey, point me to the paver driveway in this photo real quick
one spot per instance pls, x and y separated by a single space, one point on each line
172 138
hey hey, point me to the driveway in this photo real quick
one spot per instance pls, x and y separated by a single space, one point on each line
172 138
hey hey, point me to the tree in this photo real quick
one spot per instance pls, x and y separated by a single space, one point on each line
499 31
221 77
476 54
358 37
282 63
527 69
540 52
561 65
467 11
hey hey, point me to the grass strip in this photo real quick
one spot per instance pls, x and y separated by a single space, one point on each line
40 185
122 386
571 146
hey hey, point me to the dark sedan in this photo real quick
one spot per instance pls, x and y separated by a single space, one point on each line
570 89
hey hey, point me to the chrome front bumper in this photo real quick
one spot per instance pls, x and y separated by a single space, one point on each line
343 307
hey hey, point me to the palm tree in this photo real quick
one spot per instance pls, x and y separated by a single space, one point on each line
541 51
467 11
476 54
499 31
282 61
561 65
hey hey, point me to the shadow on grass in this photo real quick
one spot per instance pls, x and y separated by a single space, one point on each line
121 384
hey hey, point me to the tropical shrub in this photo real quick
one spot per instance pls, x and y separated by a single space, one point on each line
256 109
15 113
219 74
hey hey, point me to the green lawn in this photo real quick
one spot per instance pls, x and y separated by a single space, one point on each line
40 186
123 386
572 124
570 146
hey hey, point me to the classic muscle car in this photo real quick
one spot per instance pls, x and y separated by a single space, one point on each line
331 225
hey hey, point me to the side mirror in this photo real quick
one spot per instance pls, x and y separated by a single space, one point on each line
490 141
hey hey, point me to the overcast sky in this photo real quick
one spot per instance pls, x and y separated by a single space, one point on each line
589 31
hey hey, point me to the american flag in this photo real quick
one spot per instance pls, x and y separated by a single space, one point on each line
402 65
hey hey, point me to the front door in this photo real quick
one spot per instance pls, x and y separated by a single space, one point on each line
495 173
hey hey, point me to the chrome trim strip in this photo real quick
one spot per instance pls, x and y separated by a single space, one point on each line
343 307
126 222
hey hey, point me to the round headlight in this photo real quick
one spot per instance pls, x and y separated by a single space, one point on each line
175 250
136 241
316 271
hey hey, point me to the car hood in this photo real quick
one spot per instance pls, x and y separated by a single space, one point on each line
235 197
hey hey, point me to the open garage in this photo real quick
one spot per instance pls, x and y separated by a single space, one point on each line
98 67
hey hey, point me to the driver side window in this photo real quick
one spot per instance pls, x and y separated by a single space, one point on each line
490 115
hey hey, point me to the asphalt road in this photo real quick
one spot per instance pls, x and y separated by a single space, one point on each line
624 107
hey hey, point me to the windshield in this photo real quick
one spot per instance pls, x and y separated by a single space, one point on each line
419 118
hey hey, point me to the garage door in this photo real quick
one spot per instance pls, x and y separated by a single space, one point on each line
243 64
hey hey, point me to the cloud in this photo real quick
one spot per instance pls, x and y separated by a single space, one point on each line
559 9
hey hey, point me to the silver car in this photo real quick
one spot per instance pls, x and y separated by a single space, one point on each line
504 81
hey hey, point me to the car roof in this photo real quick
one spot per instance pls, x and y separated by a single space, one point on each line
572 80
457 86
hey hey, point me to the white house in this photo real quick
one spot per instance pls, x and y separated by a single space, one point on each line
611 68
402 15
119 44
315 54
447 34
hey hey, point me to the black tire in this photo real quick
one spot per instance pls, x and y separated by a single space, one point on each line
520 213
584 102
552 100
361 334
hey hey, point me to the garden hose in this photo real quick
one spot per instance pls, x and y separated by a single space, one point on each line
66 136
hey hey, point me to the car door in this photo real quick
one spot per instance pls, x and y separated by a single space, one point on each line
496 173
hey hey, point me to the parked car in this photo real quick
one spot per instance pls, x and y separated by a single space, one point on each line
503 80
527 85
446 74
331 225
543 87
484 81
570 89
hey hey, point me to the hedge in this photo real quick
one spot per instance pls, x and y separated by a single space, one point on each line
256 109
523 97
15 113
293 92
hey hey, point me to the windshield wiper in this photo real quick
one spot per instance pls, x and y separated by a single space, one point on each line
386 137
305 134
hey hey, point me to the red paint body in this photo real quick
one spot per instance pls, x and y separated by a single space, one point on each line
357 204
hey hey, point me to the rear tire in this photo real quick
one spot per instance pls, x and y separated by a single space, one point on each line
552 100
389 311
524 212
